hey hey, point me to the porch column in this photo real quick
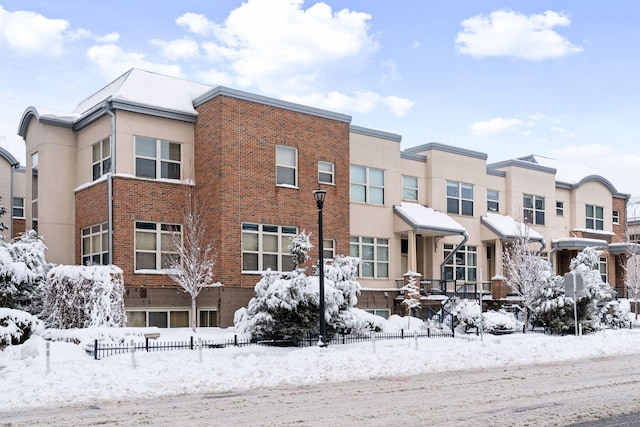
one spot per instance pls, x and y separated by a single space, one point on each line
498 258
412 262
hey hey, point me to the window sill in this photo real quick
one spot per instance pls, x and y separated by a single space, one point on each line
293 187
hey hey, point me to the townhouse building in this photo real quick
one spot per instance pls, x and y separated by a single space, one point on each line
106 183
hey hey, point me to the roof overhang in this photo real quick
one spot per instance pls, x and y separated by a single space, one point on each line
628 248
426 221
577 243
507 228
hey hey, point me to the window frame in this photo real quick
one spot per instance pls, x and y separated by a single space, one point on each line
102 164
596 221
409 189
161 229
283 166
283 257
470 270
15 206
379 266
327 173
368 188
615 217
603 269
559 208
462 202
531 214
491 201
157 158
328 249
96 236
209 312
169 312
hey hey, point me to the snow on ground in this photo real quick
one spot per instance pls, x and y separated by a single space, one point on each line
76 378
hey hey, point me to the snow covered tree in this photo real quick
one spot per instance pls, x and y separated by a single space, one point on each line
192 267
526 272
553 308
299 248
84 297
23 270
632 275
411 296
3 211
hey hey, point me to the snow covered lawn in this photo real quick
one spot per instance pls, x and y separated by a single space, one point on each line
76 378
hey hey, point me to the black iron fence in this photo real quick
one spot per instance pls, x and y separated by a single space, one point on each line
101 350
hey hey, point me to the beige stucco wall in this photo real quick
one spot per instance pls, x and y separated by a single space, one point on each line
591 193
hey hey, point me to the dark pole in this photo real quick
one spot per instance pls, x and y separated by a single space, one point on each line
319 196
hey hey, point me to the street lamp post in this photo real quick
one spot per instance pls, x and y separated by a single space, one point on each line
319 195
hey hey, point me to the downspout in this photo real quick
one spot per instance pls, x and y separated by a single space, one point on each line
552 253
13 169
112 169
443 280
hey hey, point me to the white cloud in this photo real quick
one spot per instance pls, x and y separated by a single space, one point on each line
196 23
416 43
178 50
113 61
562 132
30 33
360 102
509 33
496 126
109 38
398 106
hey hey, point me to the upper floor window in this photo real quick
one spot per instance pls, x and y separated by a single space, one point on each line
616 217
594 217
560 208
266 246
18 207
493 200
286 165
155 244
157 158
374 255
533 210
95 245
326 173
459 198
328 249
101 158
410 188
463 265
367 185
635 238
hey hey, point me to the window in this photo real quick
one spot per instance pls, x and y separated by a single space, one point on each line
493 200
463 265
374 255
382 312
367 185
410 188
18 207
602 267
154 244
101 158
95 245
158 318
329 249
325 173
616 217
560 208
156 158
533 209
286 165
634 238
208 318
266 246
34 186
594 217
459 198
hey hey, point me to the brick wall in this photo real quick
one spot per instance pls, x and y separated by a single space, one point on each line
620 205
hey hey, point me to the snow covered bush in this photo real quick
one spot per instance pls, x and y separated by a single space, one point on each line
17 326
467 314
616 315
496 322
23 270
84 297
553 309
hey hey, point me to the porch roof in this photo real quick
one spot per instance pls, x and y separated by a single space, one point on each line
427 221
628 248
507 228
577 243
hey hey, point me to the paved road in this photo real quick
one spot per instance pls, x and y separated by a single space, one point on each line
544 395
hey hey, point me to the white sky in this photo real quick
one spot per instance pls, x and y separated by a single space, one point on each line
75 378
507 78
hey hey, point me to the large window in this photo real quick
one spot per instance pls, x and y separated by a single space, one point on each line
459 198
286 165
95 245
155 246
374 256
18 207
367 185
158 318
463 265
594 217
493 200
410 188
207 318
101 158
157 158
266 246
326 173
533 209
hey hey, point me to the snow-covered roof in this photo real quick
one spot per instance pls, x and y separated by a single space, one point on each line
624 248
428 221
577 243
507 228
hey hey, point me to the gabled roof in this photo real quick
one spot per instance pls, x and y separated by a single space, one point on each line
427 220
507 228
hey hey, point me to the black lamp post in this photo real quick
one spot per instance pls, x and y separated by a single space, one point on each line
319 195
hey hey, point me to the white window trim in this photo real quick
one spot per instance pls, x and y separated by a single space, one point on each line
496 201
413 189
460 198
534 210
14 207
101 161
331 173
294 167
448 248
158 159
559 208
158 251
616 217
91 235
377 243
368 186
282 251
167 310
596 220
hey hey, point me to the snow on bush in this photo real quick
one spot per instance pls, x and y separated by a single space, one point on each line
617 315
17 326
84 297
500 321
467 314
